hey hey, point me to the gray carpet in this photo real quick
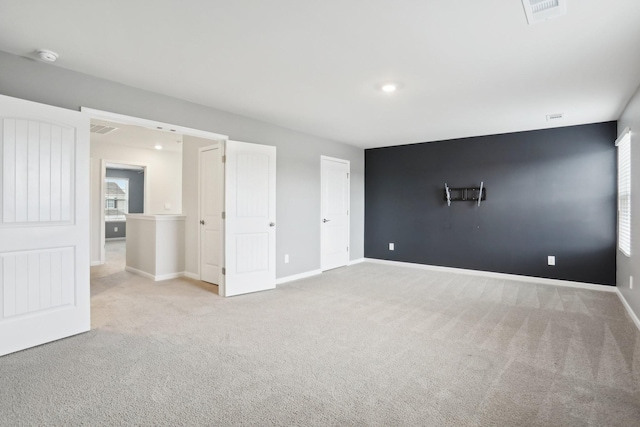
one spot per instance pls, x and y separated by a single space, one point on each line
362 345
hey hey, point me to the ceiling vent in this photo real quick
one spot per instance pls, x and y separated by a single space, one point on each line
542 10
102 130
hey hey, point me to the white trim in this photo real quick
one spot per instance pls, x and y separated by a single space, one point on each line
623 135
191 275
104 164
152 277
113 239
298 276
357 261
633 315
96 263
139 272
169 276
530 279
151 124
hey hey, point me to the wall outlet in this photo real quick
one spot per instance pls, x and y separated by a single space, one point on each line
630 282
115 229
167 206
392 247
551 260
286 258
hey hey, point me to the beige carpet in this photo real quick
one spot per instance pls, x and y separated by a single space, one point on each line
363 345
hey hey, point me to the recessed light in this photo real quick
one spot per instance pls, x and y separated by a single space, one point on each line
389 87
158 147
47 55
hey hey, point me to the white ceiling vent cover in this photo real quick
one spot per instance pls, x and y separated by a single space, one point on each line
557 116
102 130
542 10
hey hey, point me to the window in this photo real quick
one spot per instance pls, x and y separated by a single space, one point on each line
116 199
624 192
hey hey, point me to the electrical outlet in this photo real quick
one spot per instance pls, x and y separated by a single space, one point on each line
286 258
115 229
167 206
551 260
630 282
392 247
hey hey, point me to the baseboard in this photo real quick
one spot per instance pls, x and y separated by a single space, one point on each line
191 275
169 276
140 272
633 316
356 261
530 279
95 263
114 239
152 277
298 276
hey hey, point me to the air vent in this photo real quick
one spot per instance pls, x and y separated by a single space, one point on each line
552 117
102 130
542 10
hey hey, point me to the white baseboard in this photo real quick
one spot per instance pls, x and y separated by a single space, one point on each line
633 316
152 277
169 276
95 263
114 239
530 279
356 261
298 276
140 272
191 275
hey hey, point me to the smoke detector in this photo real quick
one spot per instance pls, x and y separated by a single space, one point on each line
47 55
543 10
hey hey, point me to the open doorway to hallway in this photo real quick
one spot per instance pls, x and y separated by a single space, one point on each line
135 170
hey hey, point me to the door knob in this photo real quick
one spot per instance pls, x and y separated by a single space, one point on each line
202 221
326 220
272 224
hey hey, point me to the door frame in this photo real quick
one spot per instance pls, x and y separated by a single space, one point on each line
109 164
348 163
221 146
151 124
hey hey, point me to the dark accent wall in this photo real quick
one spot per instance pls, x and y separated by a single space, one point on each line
549 192
136 200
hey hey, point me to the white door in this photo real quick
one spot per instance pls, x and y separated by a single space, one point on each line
250 232
335 212
44 224
211 189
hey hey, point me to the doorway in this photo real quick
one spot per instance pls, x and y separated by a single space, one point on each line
334 207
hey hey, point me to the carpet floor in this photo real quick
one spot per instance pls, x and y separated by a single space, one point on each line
363 345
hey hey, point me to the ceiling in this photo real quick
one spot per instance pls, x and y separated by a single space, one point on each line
137 137
466 67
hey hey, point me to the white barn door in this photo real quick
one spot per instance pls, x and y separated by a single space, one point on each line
44 224
250 232
335 212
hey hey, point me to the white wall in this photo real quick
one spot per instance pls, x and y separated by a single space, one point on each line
163 181
630 266
298 162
